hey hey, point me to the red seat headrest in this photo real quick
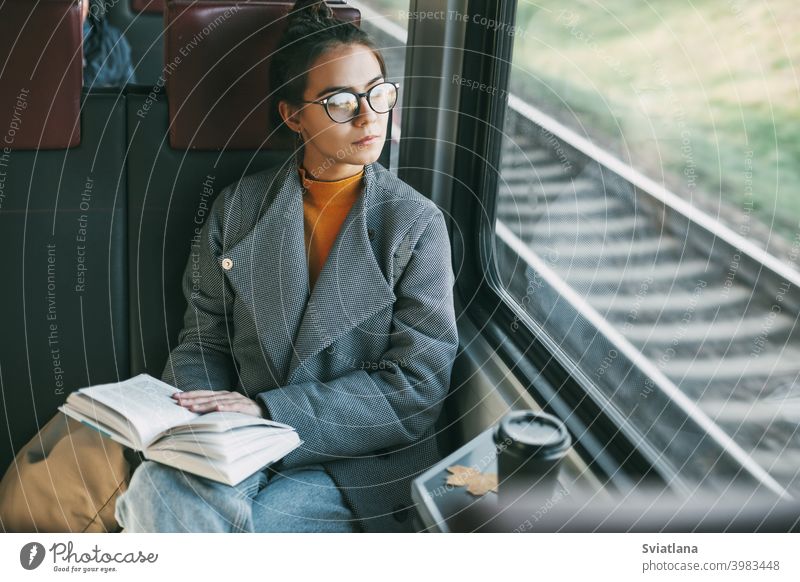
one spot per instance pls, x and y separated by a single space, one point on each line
156 6
41 74
217 57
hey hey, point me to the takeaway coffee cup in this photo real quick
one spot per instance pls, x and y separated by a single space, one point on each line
530 446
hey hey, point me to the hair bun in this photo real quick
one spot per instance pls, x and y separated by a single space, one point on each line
313 10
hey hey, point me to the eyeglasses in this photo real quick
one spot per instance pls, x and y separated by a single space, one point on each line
343 106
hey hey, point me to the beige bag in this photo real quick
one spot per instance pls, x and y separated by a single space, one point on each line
66 479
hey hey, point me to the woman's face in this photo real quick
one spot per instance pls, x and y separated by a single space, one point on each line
331 151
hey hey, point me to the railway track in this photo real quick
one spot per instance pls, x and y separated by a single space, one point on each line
733 350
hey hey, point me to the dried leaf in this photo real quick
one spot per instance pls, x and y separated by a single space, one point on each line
460 475
476 482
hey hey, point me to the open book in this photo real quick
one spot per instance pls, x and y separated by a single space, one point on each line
140 413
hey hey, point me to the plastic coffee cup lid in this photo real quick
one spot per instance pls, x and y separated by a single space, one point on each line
534 431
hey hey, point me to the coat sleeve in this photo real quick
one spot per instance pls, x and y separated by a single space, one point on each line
362 411
202 358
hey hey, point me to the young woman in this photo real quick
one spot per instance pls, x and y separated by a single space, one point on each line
322 298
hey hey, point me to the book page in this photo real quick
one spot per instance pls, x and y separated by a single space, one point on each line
146 402
231 473
103 418
222 421
224 446
91 423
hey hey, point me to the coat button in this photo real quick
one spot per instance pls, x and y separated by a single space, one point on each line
370 233
227 264
400 513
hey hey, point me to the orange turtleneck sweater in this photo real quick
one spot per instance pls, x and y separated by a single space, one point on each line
325 206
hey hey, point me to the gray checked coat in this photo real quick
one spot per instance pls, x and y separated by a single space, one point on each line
361 365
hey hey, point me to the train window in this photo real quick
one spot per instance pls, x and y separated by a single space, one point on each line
387 22
647 222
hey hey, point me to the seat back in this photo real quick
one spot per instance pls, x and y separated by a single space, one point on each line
63 301
210 129
40 76
98 208
218 56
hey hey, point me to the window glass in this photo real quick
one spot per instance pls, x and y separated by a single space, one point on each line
387 22
648 217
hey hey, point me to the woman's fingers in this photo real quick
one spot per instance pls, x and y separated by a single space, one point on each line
188 396
207 400
199 396
228 402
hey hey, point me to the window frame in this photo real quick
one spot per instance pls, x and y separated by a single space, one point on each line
555 381
558 388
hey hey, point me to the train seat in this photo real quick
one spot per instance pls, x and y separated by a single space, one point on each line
101 191
63 302
143 24
207 129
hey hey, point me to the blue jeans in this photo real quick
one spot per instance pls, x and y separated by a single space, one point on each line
160 498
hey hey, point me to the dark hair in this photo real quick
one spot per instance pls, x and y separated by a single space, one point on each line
311 30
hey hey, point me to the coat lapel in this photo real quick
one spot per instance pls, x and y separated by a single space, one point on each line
351 287
270 275
269 272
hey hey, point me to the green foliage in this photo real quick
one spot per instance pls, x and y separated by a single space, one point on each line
644 78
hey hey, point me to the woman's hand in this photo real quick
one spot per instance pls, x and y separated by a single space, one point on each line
202 401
